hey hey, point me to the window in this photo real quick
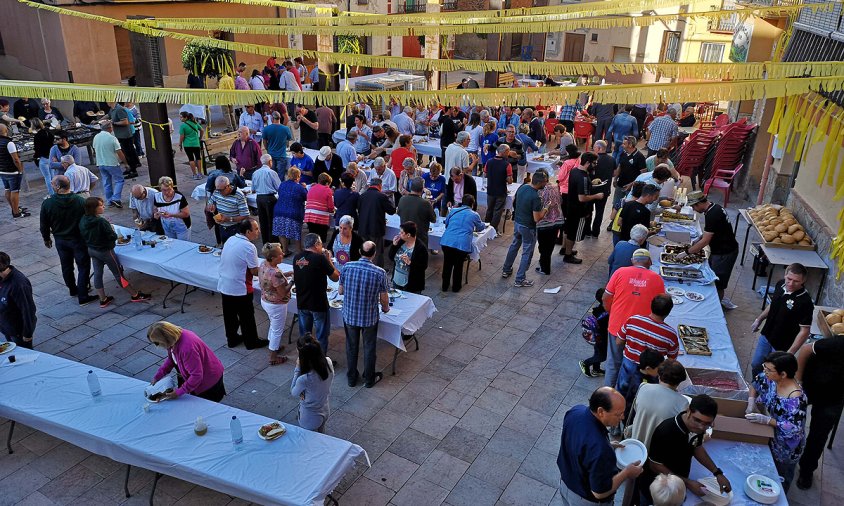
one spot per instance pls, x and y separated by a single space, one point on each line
711 53
670 47
620 54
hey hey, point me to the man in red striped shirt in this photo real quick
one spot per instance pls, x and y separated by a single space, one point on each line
639 333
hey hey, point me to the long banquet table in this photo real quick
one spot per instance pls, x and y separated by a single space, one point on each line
51 394
181 262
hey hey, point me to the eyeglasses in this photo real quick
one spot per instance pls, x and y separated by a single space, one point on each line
700 422
768 369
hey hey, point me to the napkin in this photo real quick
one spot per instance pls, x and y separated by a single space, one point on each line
552 290
162 385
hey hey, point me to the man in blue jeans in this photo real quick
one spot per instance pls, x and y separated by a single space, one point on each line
109 157
527 210
276 139
311 270
363 286
787 318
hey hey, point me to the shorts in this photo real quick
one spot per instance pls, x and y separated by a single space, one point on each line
11 182
194 154
575 228
722 266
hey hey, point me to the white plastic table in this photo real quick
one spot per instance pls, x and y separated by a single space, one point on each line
51 395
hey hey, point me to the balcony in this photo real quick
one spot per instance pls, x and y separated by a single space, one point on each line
410 8
724 25
448 6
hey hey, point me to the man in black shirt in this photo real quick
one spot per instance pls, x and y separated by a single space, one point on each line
631 163
718 234
787 318
449 126
311 270
579 202
516 151
636 212
604 169
820 368
308 127
499 174
372 206
675 441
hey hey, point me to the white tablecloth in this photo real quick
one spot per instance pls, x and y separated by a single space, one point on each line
182 262
706 313
431 147
533 165
51 395
738 461
511 192
436 233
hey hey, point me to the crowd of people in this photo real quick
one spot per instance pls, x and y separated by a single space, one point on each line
325 204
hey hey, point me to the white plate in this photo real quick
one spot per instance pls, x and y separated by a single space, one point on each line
767 493
123 244
694 296
217 253
205 252
336 304
7 347
676 299
673 290
274 437
633 450
712 493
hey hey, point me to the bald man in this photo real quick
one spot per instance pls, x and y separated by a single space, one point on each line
142 204
60 216
365 286
588 472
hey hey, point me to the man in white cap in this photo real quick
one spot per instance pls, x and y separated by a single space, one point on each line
718 235
328 162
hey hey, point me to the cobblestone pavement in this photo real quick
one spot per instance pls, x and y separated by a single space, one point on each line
472 418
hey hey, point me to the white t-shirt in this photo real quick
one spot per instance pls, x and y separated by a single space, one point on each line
239 254
455 156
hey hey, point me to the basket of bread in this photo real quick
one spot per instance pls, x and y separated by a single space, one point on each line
831 323
779 228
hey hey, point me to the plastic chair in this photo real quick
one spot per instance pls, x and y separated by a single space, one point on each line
722 180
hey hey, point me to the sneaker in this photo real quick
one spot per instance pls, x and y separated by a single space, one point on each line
115 203
107 301
571 259
84 301
111 204
506 274
728 304
523 283
585 369
599 372
22 214
141 297
540 271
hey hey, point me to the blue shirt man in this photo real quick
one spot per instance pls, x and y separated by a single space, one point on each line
276 138
252 119
364 287
346 150
623 124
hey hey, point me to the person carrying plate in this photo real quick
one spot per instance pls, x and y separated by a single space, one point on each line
198 371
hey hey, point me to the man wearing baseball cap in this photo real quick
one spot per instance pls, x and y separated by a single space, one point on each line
328 162
718 235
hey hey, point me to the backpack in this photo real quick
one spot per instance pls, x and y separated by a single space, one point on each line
590 327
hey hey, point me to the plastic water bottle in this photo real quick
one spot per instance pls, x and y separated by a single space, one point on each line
136 239
94 384
237 432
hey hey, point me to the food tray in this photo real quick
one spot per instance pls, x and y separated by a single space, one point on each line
695 340
692 331
672 217
670 259
715 383
681 273
811 247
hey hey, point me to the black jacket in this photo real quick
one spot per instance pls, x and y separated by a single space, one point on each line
17 307
418 265
469 188
373 206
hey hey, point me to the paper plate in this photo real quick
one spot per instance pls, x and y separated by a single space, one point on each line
633 450
762 489
7 347
676 299
712 493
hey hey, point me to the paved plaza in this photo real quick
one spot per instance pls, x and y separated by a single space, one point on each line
471 418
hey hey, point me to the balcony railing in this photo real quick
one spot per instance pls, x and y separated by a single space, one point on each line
448 5
411 8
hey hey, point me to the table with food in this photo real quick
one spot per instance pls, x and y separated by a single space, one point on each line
536 161
436 231
192 439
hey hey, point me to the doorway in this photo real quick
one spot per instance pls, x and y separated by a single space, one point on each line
573 46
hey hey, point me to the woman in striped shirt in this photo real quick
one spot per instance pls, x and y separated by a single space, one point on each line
320 207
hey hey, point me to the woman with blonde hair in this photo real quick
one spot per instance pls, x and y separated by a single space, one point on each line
198 371
275 294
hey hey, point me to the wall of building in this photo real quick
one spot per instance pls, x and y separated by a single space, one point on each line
33 44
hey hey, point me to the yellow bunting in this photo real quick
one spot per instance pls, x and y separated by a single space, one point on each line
163 126
297 6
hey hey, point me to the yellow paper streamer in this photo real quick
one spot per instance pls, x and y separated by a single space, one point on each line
162 126
296 6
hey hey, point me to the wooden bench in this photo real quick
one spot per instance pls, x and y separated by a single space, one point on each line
214 146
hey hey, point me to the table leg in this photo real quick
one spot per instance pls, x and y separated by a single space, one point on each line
172 287
154 484
735 226
9 438
765 295
185 296
744 249
126 481
332 500
395 357
820 286
290 332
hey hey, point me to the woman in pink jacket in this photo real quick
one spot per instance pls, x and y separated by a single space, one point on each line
199 372
319 208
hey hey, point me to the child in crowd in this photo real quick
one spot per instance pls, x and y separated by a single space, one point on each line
595 332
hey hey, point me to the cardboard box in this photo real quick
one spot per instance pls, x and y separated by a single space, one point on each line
739 429
730 407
